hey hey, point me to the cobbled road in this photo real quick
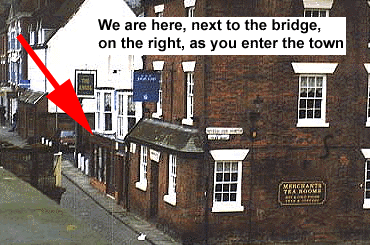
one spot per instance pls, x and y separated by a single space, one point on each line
85 209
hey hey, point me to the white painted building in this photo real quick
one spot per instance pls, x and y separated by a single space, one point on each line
65 51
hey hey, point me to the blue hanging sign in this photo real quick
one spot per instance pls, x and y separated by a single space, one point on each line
146 86
25 84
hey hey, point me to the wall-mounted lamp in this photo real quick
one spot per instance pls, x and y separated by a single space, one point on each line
254 115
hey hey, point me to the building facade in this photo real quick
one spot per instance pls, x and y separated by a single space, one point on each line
256 148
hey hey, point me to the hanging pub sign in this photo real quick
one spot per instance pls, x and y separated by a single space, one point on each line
85 83
146 86
302 193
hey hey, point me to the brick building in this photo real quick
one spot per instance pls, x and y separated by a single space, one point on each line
247 148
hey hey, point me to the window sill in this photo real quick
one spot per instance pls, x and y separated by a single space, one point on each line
141 185
187 121
218 208
170 199
312 123
366 204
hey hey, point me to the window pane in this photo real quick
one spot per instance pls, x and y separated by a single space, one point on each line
311 81
233 187
319 81
235 167
226 177
227 167
219 167
317 103
107 102
319 92
108 121
367 195
218 188
323 13
315 13
303 92
234 177
218 197
302 104
225 197
219 177
233 197
303 81
309 114
310 104
317 113
308 13
302 114
226 188
311 92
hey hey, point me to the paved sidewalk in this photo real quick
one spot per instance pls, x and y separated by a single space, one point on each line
138 225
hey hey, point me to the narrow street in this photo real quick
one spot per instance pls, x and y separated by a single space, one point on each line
85 208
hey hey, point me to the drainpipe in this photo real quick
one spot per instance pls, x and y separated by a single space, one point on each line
207 158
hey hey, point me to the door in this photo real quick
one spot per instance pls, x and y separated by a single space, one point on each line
153 190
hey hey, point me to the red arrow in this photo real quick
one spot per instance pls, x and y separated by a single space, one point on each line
64 96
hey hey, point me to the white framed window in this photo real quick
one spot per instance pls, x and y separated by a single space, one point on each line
172 178
158 10
316 12
107 111
143 167
367 185
40 36
312 97
131 112
32 37
158 66
128 113
366 204
104 111
120 116
189 8
188 68
312 84
97 111
189 94
227 183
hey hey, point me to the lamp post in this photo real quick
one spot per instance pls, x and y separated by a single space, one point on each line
254 116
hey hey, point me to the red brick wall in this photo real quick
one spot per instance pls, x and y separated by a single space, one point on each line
227 85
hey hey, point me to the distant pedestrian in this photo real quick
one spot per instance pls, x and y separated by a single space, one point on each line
15 119
2 115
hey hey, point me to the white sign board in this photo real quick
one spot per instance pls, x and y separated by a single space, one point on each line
218 137
223 131
154 155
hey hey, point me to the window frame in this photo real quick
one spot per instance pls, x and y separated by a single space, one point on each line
189 94
143 168
235 156
324 69
313 122
158 10
172 180
366 204
189 68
